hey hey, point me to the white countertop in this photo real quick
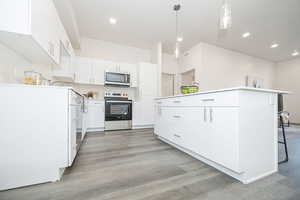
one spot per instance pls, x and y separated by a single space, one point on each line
34 86
230 89
38 86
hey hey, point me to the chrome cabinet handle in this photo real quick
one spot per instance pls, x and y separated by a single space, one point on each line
159 102
176 116
211 115
176 101
206 100
178 136
204 113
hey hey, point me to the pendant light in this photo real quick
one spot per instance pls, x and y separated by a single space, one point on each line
176 8
225 15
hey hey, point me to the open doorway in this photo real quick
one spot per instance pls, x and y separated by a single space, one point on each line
188 77
168 82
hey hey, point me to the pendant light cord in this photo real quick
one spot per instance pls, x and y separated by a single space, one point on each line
176 9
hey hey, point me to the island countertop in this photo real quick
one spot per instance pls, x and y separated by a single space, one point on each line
229 89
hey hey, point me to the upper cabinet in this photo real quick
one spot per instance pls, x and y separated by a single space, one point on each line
66 72
148 80
33 29
83 68
92 71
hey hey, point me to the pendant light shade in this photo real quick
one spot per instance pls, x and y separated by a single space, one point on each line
225 15
176 8
177 50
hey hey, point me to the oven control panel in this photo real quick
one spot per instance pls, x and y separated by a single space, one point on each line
116 94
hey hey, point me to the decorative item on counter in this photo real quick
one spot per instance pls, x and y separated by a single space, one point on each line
32 78
188 89
92 95
45 81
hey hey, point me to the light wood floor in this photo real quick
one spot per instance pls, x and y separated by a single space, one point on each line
131 165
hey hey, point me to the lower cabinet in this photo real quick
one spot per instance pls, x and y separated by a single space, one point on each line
143 113
211 132
95 116
225 137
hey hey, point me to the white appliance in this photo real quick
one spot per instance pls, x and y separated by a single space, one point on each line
76 132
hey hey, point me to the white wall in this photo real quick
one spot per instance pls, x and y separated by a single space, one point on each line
12 66
112 51
217 68
288 78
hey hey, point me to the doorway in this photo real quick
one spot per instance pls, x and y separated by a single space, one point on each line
168 82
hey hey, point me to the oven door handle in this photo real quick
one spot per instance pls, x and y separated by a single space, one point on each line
113 101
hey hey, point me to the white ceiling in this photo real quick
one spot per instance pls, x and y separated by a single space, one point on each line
142 23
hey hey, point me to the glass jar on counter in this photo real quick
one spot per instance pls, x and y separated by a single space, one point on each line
32 78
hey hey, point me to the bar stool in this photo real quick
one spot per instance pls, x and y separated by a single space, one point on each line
281 115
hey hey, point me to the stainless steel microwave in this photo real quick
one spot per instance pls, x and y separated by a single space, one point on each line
117 79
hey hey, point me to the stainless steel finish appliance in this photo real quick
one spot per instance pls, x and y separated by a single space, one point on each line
118 112
117 79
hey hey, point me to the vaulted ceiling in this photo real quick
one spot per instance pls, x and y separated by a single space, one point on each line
142 23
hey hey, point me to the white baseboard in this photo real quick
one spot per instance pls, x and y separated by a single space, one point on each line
242 176
95 129
143 126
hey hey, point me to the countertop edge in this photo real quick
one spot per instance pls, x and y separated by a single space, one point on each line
228 89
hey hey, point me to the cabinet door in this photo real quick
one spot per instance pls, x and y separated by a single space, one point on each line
163 122
72 135
95 116
45 27
148 78
83 70
99 68
143 112
15 16
225 136
198 130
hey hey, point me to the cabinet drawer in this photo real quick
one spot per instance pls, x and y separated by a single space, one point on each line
212 99
171 125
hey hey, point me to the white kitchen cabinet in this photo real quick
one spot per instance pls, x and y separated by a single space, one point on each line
238 137
143 113
33 29
72 136
225 136
83 67
92 71
66 71
98 69
95 116
148 80
147 90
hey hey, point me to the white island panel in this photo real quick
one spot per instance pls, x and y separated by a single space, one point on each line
233 130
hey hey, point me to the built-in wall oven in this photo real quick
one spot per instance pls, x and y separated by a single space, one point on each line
117 79
118 113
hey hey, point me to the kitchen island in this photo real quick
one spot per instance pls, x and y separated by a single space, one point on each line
41 132
234 130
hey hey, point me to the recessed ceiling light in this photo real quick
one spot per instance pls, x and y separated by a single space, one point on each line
112 20
275 45
295 53
246 35
179 39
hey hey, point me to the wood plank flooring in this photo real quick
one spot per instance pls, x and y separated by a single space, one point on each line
134 165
